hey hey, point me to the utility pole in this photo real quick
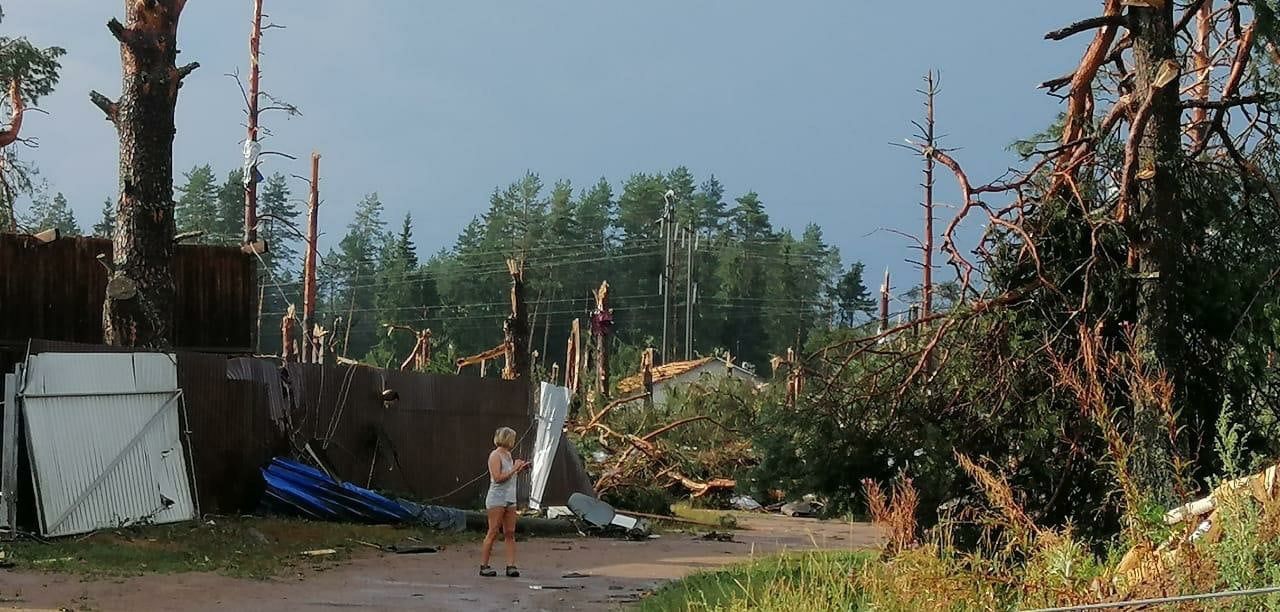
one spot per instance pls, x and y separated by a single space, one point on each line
251 146
690 291
667 227
309 352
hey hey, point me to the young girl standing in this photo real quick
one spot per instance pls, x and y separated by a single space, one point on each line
500 503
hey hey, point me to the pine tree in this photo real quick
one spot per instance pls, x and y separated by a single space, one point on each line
853 299
351 269
230 217
279 215
197 207
404 295
107 225
595 212
55 213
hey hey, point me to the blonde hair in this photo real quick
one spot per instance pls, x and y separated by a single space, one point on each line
504 437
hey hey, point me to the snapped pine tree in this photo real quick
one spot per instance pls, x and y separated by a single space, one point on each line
140 291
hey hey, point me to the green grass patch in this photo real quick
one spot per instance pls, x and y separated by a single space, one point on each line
239 547
723 518
784 583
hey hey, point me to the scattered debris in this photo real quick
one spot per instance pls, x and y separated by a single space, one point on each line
1142 563
806 508
323 552
745 503
576 575
554 512
674 519
57 560
715 536
555 587
411 550
601 517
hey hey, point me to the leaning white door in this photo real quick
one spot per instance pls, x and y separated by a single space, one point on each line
103 431
553 407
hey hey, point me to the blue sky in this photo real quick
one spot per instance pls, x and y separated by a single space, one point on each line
433 104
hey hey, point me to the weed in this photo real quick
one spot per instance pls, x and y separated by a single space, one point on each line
809 581
238 547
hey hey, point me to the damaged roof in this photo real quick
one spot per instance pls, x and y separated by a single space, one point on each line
635 382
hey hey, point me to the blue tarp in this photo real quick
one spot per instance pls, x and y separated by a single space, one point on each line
296 488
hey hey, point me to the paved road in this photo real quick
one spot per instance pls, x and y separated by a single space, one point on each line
617 572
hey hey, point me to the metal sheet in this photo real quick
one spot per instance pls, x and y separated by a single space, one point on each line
553 407
105 439
9 453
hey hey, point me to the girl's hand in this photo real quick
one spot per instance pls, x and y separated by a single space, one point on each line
521 464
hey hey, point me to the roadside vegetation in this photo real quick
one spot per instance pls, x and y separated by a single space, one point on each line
256 548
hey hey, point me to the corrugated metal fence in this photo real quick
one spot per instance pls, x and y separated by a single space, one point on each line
429 445
55 291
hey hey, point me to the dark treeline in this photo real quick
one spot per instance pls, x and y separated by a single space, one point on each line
758 288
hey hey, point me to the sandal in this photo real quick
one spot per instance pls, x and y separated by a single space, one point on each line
512 572
487 571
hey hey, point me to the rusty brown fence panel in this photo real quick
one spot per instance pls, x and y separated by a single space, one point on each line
55 291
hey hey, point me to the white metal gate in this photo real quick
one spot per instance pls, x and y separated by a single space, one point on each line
104 436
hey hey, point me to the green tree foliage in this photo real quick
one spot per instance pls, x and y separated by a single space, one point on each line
350 279
279 215
51 213
774 290
229 222
852 299
106 226
36 71
197 207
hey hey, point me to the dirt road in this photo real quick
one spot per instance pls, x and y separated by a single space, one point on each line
616 572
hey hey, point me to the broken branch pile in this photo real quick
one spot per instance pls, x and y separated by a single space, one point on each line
693 444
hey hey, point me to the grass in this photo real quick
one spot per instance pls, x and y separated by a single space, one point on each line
784 583
257 548
726 520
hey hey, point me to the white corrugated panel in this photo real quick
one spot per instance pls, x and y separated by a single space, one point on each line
105 441
553 408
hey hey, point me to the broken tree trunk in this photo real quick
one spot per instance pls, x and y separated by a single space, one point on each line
573 367
646 375
1155 228
926 245
288 343
516 327
309 265
10 134
140 292
601 323
250 177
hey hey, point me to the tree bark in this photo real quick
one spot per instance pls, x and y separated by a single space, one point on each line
140 293
601 324
516 329
1156 237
